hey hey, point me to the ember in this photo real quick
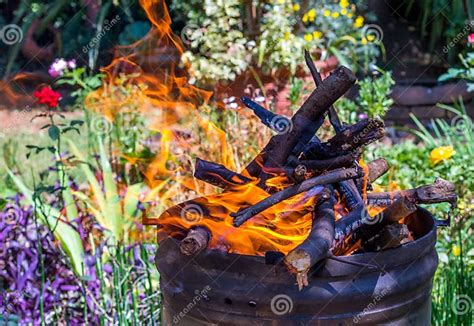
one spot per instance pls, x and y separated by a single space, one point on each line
302 197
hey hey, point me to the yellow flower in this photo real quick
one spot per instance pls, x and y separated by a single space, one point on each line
287 35
305 18
312 13
441 153
363 41
317 35
344 3
359 22
350 15
311 19
456 250
327 13
370 37
344 11
335 14
296 7
308 37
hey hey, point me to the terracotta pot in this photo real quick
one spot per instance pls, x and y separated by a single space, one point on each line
31 49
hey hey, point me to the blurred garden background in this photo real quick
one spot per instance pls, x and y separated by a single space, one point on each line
105 104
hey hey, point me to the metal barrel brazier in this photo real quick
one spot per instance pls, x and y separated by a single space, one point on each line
216 288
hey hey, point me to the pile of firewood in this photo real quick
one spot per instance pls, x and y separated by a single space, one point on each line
330 166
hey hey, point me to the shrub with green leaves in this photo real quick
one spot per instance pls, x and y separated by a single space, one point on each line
219 49
373 100
466 72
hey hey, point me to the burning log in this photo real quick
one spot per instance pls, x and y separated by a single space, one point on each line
303 124
196 240
273 121
377 168
316 246
358 225
333 117
391 236
317 166
218 175
441 191
358 135
334 176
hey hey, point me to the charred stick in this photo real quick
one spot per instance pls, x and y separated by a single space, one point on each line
333 117
348 189
377 168
196 240
441 191
304 123
374 170
358 225
273 121
218 175
391 236
302 167
334 176
358 135
317 244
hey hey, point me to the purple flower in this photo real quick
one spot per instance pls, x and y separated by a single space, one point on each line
60 65
362 116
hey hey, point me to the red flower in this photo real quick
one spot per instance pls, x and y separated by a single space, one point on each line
47 96
470 38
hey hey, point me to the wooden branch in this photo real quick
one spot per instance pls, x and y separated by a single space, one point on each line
197 239
302 167
273 121
316 246
333 117
218 175
358 135
360 226
441 191
391 236
334 176
303 127
377 168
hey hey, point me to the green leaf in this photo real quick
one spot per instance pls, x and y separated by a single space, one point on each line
54 132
